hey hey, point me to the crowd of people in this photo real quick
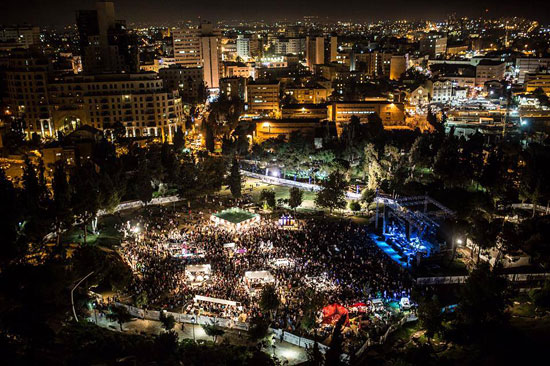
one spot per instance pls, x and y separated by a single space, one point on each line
336 259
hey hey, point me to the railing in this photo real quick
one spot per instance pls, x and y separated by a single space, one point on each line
136 204
449 280
291 183
185 318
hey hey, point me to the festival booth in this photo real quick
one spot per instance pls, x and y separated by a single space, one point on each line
255 280
214 300
287 221
235 218
195 274
332 313
282 262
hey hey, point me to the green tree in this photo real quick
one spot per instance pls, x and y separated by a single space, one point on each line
269 300
295 197
234 180
333 192
314 356
11 221
259 328
267 196
335 351
430 316
481 311
541 297
144 189
213 330
179 140
85 195
61 204
209 138
168 321
120 315
355 206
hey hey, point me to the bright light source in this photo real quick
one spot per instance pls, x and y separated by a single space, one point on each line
459 241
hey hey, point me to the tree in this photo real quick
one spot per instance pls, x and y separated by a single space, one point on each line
541 96
178 140
259 328
61 198
120 315
541 297
430 316
368 196
119 131
267 196
144 189
335 351
11 221
209 138
481 311
234 180
375 126
168 321
213 330
85 195
295 197
269 300
355 206
332 193
314 356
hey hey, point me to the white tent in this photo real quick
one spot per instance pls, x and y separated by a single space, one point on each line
215 300
193 268
259 276
197 273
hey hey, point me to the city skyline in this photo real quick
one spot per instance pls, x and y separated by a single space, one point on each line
171 11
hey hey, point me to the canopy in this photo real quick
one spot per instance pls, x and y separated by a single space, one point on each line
214 300
198 268
259 275
332 313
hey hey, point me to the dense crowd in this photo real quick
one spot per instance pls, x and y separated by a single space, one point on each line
335 258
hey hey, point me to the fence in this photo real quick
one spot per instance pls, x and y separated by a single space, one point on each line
297 341
369 342
291 183
222 322
137 204
185 318
449 280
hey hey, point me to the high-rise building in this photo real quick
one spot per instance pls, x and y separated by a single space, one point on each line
243 47
333 49
315 51
19 37
105 44
187 80
47 104
200 47
530 65
433 44
27 80
263 98
398 65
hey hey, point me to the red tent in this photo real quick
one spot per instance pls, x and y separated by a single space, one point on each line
333 312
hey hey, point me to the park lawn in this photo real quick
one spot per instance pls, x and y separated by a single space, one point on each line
235 215
522 306
108 234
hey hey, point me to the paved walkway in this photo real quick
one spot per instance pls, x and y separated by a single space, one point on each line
284 351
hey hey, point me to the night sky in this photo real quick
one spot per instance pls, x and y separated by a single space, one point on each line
61 12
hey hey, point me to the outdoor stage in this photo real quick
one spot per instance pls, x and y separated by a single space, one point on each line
409 227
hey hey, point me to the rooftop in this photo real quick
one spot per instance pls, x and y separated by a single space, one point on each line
235 215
